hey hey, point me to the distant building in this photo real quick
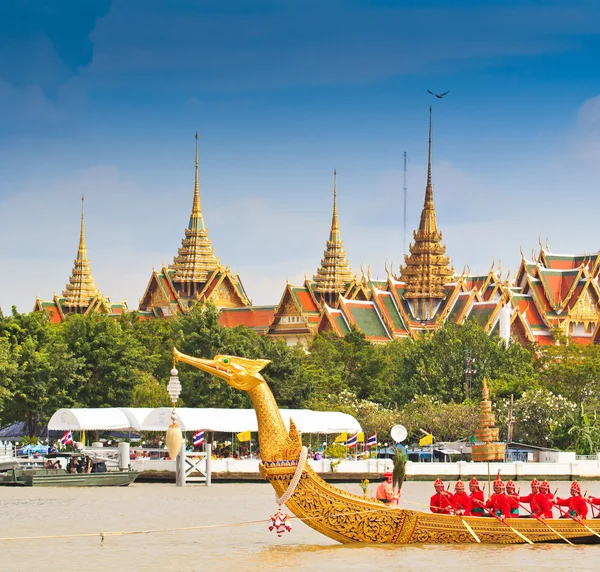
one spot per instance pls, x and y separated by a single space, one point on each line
551 292
81 295
196 274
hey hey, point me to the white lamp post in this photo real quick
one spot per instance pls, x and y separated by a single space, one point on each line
174 437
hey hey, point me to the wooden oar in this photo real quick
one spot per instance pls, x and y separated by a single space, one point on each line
465 523
565 513
545 524
590 503
468 527
507 525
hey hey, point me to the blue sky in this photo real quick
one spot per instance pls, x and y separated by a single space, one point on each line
104 98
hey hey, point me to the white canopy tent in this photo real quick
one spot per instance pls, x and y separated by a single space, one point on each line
194 419
236 420
80 419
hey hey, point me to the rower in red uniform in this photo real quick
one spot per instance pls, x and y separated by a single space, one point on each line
513 498
477 499
540 505
461 501
385 491
499 502
441 501
595 501
576 503
545 488
535 489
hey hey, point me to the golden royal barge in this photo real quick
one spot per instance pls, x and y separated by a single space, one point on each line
350 518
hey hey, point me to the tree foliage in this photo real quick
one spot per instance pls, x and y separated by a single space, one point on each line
97 361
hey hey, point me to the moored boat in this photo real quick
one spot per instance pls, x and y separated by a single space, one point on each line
349 518
14 475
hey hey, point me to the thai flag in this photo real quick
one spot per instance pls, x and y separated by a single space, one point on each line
372 440
67 438
352 441
198 438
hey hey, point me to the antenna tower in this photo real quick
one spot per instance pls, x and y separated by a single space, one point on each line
404 197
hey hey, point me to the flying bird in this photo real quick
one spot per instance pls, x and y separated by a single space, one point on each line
438 95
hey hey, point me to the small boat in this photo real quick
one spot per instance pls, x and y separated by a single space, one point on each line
350 518
12 473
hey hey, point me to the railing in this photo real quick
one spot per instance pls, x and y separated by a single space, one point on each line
7 449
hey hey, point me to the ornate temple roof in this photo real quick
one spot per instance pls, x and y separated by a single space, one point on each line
81 289
427 268
196 258
334 274
81 295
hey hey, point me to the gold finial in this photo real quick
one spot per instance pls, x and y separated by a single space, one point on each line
81 287
427 268
196 220
334 235
334 274
429 184
196 258
82 232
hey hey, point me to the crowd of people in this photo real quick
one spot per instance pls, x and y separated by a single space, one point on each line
507 502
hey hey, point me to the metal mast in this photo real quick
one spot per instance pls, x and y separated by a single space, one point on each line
404 197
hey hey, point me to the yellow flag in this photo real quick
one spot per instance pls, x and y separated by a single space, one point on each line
427 440
361 437
341 438
244 436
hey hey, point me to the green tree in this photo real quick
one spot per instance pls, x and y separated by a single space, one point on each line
445 421
39 374
149 392
110 359
435 365
584 432
571 370
541 418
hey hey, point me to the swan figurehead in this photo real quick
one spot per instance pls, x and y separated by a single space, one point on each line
241 373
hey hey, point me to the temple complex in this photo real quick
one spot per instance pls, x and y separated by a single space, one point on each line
551 293
81 295
196 274
297 316
558 292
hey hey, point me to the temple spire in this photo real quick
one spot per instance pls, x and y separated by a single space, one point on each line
82 231
428 223
196 257
81 288
334 235
426 268
196 218
334 274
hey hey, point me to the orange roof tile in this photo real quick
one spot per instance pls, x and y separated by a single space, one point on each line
306 300
251 317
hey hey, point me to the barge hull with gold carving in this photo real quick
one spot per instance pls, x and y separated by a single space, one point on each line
350 518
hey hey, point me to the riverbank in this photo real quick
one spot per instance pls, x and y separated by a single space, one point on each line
566 468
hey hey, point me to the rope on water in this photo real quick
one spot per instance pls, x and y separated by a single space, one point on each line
104 535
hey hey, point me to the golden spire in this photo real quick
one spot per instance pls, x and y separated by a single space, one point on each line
334 235
427 268
81 287
334 274
196 257
196 218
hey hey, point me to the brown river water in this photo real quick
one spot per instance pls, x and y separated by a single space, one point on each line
229 540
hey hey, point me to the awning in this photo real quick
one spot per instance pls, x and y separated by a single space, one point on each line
236 420
193 419
80 419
